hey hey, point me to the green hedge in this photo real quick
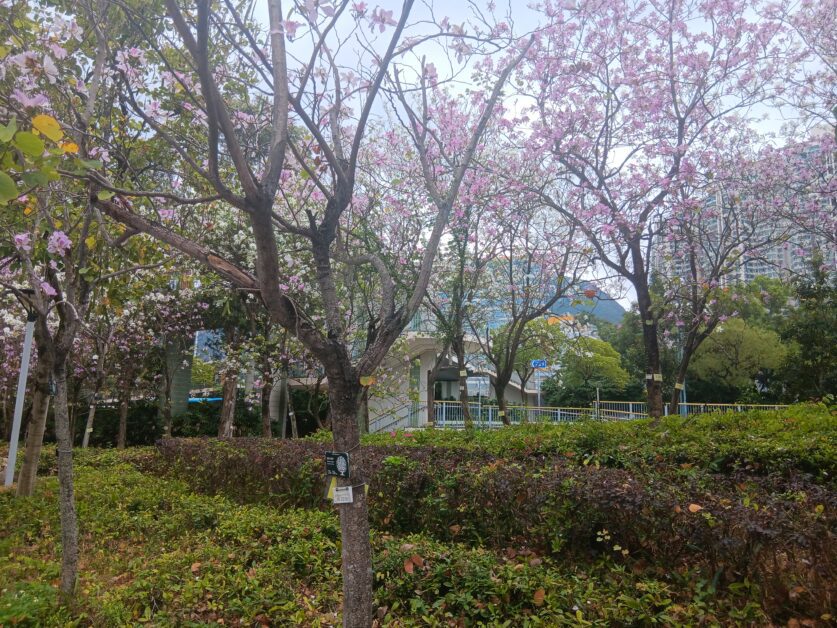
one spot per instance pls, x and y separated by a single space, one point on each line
576 495
154 553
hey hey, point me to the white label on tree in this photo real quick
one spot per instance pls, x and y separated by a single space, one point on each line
343 495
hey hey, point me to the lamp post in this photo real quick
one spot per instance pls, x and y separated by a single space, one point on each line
31 317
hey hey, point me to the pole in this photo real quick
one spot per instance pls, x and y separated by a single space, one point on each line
21 391
598 404
538 375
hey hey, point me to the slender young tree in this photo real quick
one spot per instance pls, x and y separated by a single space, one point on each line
539 262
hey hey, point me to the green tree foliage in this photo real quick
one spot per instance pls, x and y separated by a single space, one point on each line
204 374
737 353
812 328
587 364
541 341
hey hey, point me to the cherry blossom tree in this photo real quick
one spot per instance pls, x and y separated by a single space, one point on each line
632 102
539 261
273 122
61 247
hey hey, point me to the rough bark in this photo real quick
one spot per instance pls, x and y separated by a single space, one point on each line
66 501
228 392
37 422
123 420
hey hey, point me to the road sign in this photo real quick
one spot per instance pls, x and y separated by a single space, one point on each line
337 463
538 364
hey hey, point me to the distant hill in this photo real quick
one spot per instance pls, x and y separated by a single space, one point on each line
600 304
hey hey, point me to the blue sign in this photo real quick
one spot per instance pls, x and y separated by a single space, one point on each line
538 364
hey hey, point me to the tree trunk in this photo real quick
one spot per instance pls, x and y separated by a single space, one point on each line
123 419
165 407
37 426
267 384
315 396
431 396
363 412
500 391
356 553
651 343
290 410
459 349
229 391
278 407
66 501
88 428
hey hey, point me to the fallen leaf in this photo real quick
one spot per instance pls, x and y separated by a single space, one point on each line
196 567
539 596
408 565
417 560
695 508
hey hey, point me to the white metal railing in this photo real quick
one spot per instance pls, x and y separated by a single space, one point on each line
450 414
403 416
639 409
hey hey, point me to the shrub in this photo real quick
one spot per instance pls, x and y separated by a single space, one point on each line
579 496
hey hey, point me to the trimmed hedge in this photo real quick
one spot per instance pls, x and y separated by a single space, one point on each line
774 529
154 553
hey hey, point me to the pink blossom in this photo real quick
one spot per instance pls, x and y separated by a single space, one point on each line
59 243
290 28
36 100
48 289
382 19
23 242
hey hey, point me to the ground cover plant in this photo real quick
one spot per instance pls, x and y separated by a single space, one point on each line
590 524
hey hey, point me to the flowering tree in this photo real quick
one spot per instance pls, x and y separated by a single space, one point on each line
538 263
276 131
59 245
632 102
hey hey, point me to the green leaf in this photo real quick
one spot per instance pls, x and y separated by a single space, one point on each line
92 164
104 195
35 178
29 143
8 188
7 132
